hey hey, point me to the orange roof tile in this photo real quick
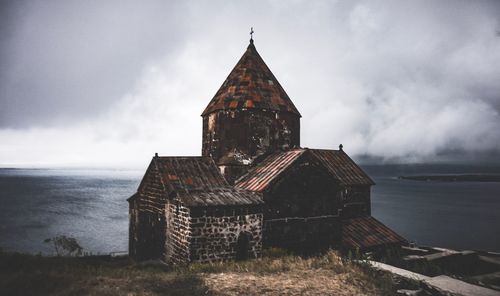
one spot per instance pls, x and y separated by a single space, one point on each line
251 85
261 176
367 232
338 164
195 180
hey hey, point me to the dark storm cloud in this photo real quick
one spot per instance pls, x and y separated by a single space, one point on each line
110 83
67 60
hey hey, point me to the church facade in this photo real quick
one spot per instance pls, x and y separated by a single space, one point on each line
254 185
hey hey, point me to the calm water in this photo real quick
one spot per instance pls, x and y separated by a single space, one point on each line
463 215
91 206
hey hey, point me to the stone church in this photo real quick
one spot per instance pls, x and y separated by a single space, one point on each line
254 185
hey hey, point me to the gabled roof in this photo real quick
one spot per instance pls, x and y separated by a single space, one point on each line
342 167
251 85
261 176
186 174
368 232
196 181
337 162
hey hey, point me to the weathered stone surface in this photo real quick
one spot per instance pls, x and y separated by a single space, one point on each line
445 285
439 285
177 233
409 275
235 138
217 238
303 235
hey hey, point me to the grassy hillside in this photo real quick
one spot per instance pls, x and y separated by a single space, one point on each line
272 275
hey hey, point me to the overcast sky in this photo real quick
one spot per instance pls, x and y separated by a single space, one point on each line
109 83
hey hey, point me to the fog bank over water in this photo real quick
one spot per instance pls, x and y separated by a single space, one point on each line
108 84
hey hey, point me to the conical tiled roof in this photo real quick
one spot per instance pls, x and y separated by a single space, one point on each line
251 85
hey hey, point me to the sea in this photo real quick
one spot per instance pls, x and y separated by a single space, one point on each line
90 205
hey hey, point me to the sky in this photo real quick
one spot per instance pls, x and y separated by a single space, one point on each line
109 83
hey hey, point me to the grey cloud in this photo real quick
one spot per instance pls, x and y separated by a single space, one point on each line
393 81
69 60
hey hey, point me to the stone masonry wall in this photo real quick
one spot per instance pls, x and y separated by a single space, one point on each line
355 201
133 236
215 237
178 233
237 137
303 235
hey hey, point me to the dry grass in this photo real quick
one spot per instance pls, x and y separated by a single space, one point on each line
280 274
299 282
328 274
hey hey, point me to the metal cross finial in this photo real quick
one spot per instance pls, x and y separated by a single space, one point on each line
251 33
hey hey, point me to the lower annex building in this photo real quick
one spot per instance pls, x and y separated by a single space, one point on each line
254 186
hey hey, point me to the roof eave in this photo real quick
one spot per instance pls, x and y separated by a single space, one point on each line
133 196
208 111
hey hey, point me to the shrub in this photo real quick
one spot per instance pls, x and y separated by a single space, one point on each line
65 246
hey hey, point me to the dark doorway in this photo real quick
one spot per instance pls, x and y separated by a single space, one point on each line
151 235
242 246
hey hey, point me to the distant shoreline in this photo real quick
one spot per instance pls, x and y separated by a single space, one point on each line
454 178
